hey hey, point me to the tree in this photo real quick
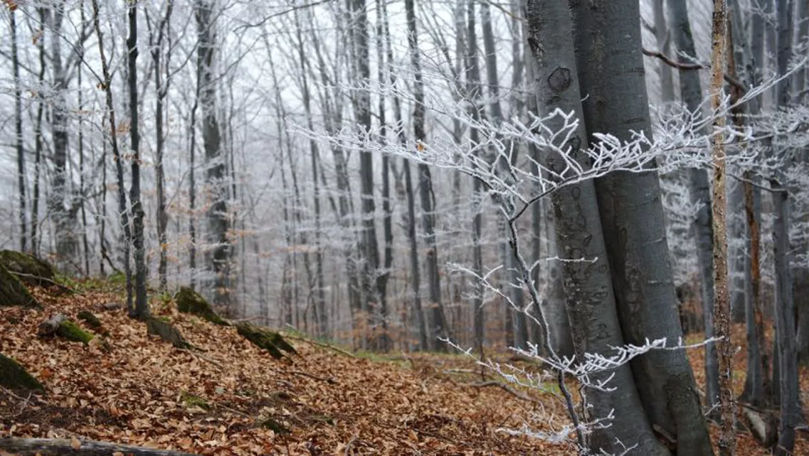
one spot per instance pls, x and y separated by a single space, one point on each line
216 215
18 140
588 285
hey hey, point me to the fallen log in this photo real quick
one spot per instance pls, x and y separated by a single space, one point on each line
75 447
62 326
14 377
270 341
156 326
32 270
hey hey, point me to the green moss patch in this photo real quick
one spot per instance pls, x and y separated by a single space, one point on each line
71 331
89 318
274 425
14 377
29 269
13 292
189 301
266 339
191 400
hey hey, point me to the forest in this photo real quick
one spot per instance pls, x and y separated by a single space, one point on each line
359 227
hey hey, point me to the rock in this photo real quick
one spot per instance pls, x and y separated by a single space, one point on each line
13 292
15 377
110 306
65 328
166 331
189 301
266 339
29 269
88 317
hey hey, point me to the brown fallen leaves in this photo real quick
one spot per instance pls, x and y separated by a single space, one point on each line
231 398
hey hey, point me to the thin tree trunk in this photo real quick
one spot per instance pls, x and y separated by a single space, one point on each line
18 139
123 209
35 240
691 94
722 316
474 89
590 299
85 243
141 309
438 325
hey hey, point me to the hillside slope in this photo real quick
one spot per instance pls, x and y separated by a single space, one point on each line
231 398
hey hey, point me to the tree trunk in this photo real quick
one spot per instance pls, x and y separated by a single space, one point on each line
691 94
123 210
438 326
141 309
722 316
610 70
590 299
18 134
35 240
217 213
54 447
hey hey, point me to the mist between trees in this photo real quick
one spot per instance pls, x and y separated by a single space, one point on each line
584 183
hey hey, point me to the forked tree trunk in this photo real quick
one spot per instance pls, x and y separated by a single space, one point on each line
590 299
610 70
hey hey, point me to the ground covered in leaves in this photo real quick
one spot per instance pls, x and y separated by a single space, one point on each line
228 397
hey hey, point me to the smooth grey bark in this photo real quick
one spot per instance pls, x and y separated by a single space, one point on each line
82 196
192 183
141 308
663 39
691 95
217 213
784 311
437 320
590 299
473 92
611 76
801 273
18 133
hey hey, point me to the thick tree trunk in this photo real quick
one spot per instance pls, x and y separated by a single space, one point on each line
438 326
590 299
691 94
610 69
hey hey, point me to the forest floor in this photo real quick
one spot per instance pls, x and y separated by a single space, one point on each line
231 398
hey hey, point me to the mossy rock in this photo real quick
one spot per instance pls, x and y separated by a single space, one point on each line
30 269
13 292
89 318
71 331
166 331
266 339
14 377
189 301
191 400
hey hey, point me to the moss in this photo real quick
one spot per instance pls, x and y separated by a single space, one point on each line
32 270
274 425
189 301
13 292
14 377
166 331
263 338
71 331
191 400
88 317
